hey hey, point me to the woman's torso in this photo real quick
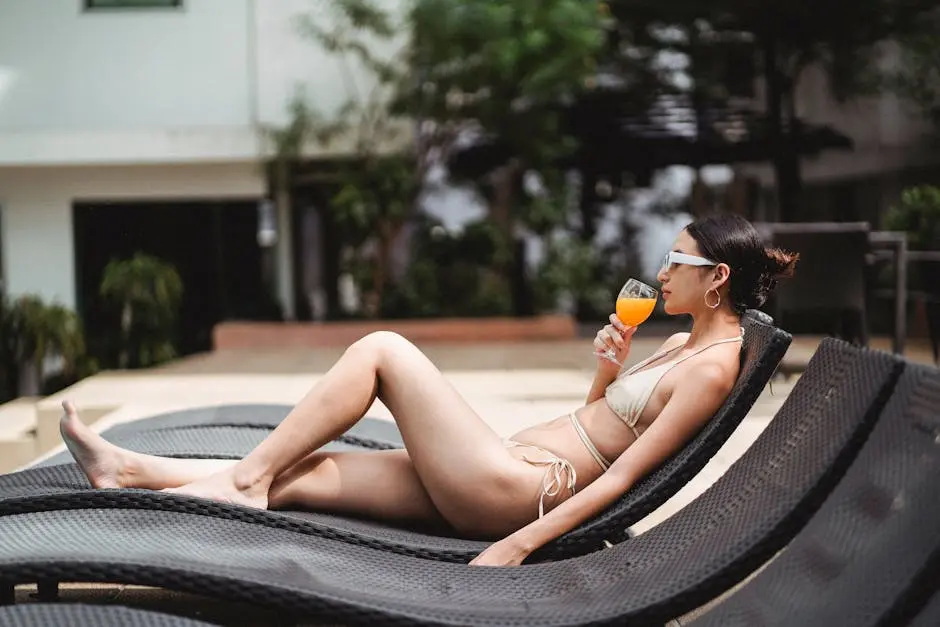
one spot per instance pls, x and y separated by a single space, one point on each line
608 431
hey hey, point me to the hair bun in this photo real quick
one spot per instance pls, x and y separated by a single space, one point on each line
780 263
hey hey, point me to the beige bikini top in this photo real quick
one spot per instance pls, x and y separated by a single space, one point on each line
629 393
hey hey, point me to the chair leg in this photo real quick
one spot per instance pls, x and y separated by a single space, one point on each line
863 326
933 328
47 590
7 593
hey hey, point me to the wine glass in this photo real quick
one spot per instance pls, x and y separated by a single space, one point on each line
635 303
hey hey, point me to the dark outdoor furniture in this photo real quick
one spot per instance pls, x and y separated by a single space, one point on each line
831 282
930 615
892 246
191 545
871 556
232 437
86 615
227 432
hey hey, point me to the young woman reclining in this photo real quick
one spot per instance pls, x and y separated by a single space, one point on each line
454 469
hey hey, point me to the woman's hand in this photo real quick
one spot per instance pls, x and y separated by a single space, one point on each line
506 552
612 343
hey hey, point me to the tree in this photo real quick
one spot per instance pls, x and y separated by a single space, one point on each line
843 37
38 330
793 36
499 72
147 293
378 183
917 77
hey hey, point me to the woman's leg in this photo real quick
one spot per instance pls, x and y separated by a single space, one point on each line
380 484
460 461
109 466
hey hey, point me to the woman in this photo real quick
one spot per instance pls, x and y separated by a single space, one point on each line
533 488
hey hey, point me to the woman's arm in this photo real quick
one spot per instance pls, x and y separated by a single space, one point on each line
694 401
615 337
603 376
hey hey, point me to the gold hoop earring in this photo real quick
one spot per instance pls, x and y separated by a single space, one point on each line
709 305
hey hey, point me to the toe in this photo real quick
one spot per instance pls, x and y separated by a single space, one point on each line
69 408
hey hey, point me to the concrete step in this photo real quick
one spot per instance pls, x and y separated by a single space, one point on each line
18 443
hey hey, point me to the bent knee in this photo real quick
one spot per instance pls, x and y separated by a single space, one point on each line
382 343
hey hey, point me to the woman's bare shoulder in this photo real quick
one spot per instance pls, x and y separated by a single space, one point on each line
674 340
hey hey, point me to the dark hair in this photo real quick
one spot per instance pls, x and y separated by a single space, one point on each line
755 268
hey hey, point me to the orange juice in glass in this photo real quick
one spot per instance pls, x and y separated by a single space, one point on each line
634 311
635 303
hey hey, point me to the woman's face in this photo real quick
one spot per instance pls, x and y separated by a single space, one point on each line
684 286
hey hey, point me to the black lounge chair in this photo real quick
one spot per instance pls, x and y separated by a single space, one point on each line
764 347
871 556
735 526
930 615
86 615
227 432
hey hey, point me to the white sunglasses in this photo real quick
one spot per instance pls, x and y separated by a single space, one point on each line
672 258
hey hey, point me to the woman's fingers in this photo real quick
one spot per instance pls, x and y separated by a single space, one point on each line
605 340
615 336
624 329
615 322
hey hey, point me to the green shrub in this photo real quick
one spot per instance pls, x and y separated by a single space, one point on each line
918 214
146 293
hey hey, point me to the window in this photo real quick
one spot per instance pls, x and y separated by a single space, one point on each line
95 5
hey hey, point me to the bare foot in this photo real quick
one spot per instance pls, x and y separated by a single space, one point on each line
102 462
224 487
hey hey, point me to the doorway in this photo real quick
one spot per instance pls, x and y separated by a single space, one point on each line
212 245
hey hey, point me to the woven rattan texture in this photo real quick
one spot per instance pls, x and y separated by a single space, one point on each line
747 516
227 432
83 615
929 616
209 442
254 415
864 560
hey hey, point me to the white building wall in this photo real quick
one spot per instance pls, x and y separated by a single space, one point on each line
148 68
145 85
36 209
158 85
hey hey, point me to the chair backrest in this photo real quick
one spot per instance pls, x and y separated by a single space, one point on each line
831 271
763 348
871 555
763 500
929 616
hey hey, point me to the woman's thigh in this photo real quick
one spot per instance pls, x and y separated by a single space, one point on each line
377 484
384 485
461 461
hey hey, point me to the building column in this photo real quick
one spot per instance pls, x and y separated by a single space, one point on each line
38 249
284 267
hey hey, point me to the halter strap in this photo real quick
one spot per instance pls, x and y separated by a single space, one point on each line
660 354
726 340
